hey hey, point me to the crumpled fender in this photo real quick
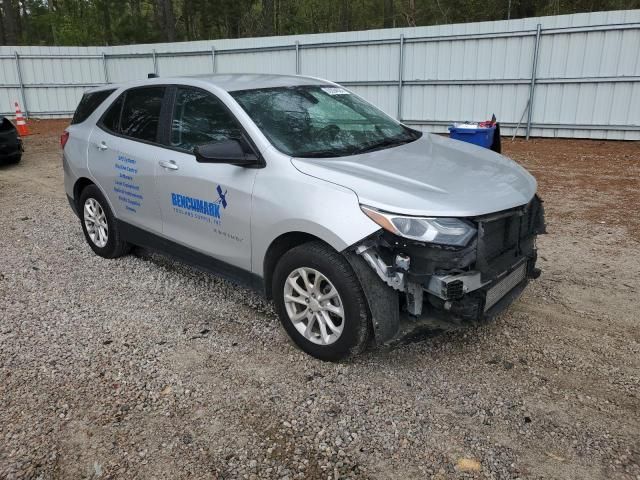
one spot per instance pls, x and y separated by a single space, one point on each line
384 303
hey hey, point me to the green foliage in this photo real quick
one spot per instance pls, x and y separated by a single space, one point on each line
114 22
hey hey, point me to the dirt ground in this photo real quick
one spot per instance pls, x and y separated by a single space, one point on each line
185 376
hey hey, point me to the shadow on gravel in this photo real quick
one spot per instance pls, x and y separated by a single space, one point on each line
188 275
193 274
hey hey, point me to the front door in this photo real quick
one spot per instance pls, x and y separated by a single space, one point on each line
205 206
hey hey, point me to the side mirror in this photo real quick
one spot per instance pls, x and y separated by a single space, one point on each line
230 151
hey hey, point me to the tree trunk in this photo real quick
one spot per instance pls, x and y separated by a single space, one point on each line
10 19
345 15
167 20
24 20
520 10
411 14
186 18
2 38
51 8
388 20
106 22
267 17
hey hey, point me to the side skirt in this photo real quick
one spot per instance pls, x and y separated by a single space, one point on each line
141 238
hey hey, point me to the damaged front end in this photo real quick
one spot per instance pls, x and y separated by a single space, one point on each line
411 284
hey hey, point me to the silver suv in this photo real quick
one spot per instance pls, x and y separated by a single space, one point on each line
358 227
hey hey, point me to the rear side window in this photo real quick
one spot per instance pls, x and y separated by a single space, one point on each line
141 113
88 105
111 119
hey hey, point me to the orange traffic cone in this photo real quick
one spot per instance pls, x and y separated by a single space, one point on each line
23 129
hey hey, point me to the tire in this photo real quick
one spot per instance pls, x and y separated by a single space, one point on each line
91 199
12 160
326 271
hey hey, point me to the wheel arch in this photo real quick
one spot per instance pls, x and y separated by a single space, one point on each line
80 184
278 247
382 301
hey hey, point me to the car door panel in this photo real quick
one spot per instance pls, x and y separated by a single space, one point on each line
205 206
125 171
123 156
134 184
102 155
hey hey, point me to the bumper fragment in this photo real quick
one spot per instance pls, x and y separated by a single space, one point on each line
446 287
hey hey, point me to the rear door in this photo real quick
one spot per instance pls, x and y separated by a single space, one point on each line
102 152
205 206
123 153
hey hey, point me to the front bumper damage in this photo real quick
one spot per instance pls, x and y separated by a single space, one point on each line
412 285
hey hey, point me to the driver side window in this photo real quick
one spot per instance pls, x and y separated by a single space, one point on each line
200 118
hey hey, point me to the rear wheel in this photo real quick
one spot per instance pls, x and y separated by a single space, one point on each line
99 225
320 302
11 160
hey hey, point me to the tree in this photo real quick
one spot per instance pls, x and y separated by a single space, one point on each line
114 22
267 17
10 19
105 13
388 14
166 20
410 13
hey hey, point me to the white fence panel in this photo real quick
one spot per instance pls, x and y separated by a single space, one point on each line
257 62
129 68
191 65
586 80
347 63
385 98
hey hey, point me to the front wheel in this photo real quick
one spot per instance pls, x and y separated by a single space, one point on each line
320 302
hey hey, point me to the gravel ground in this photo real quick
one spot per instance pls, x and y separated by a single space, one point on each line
144 368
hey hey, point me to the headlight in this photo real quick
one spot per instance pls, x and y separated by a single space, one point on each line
445 231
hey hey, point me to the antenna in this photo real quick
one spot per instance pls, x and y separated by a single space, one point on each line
152 75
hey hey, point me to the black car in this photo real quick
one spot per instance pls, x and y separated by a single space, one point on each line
10 143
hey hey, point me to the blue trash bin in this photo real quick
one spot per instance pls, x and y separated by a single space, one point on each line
481 136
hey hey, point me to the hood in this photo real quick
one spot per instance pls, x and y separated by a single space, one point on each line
432 176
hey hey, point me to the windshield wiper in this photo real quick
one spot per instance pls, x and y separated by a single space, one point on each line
317 154
370 147
389 142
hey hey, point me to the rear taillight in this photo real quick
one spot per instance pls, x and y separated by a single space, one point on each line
63 139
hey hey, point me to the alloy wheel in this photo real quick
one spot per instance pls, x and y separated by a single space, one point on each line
314 306
95 221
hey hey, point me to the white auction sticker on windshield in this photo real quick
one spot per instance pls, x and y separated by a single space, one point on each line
335 91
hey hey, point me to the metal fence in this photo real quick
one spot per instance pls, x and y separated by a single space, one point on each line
571 76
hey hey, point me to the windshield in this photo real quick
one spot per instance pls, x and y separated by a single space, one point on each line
321 121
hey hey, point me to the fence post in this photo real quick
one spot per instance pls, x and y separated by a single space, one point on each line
25 109
400 77
155 61
213 59
297 57
532 87
104 66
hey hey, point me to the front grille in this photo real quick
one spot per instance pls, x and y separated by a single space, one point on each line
500 236
506 237
454 290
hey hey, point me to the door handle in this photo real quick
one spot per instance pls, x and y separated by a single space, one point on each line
170 165
102 146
